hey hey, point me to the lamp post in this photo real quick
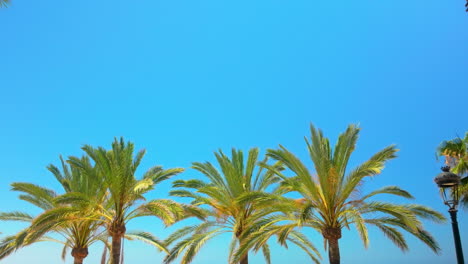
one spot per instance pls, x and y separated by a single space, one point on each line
448 183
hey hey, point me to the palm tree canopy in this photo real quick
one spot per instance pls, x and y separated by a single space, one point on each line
117 168
228 195
76 234
455 152
332 197
125 194
105 195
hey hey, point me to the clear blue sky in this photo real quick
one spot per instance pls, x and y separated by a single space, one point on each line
184 78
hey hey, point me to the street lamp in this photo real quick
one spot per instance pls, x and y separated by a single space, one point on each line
448 183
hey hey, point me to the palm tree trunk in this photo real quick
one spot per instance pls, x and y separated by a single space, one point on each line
333 251
116 247
77 261
245 259
117 232
79 254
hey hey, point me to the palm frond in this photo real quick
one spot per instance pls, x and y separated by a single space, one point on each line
391 233
35 194
147 238
393 190
157 174
166 210
302 173
16 216
190 246
371 167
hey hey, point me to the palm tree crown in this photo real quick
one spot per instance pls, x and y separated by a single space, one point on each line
455 152
331 198
78 234
231 211
117 168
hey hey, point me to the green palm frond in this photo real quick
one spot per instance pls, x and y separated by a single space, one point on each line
157 174
166 210
425 212
142 186
10 244
419 232
187 230
77 199
147 238
356 218
403 213
266 253
371 167
393 190
52 219
210 172
64 252
16 216
194 184
268 178
464 192
191 246
35 194
257 239
302 173
391 233
312 252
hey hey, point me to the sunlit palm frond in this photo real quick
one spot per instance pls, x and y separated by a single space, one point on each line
191 246
146 238
10 244
16 216
166 210
371 167
35 194
391 233
392 190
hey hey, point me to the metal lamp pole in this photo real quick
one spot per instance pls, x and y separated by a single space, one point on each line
448 183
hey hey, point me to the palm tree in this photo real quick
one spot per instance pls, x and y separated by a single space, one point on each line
455 152
331 198
117 169
80 228
78 234
226 194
